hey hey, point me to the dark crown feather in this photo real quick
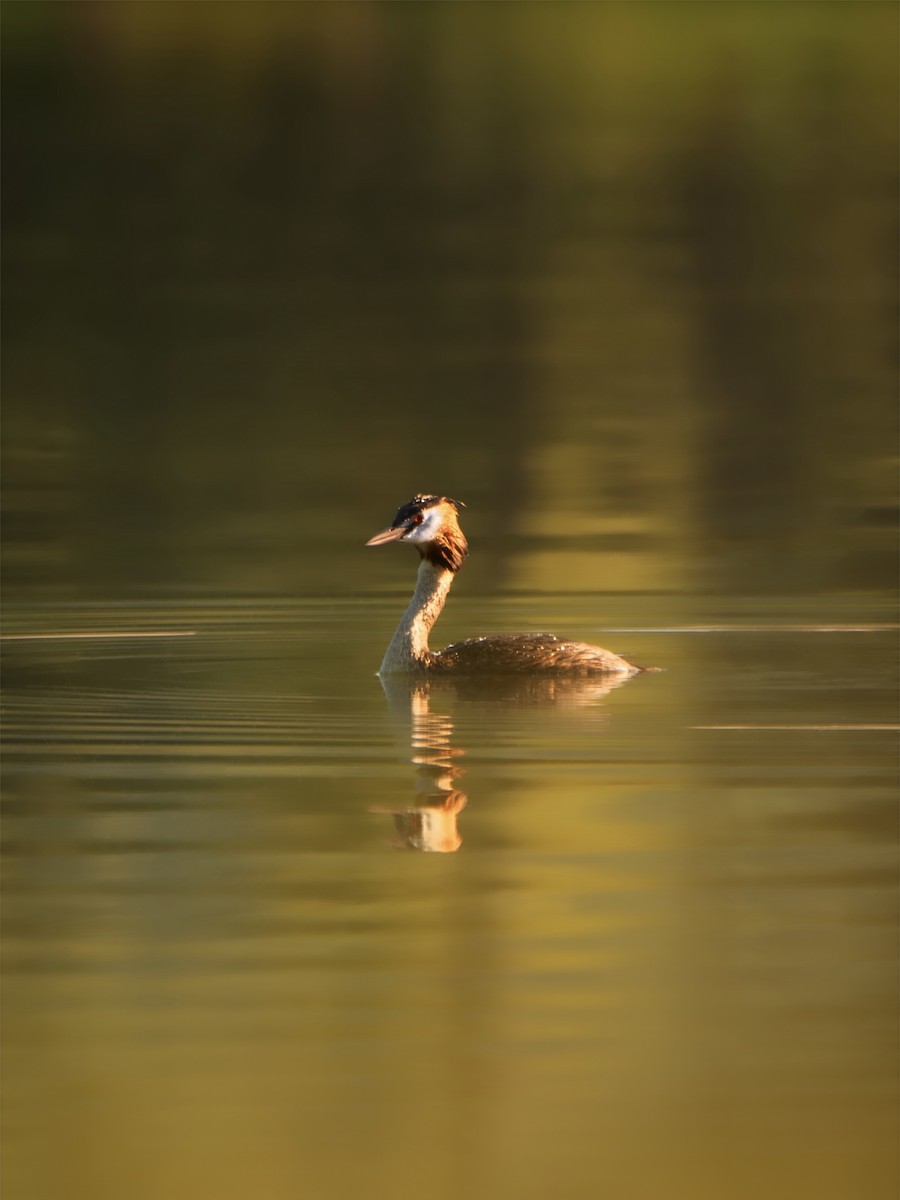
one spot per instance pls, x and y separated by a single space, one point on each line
418 504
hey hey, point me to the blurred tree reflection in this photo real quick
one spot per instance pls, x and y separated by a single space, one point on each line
619 274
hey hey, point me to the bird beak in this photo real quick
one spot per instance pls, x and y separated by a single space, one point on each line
387 535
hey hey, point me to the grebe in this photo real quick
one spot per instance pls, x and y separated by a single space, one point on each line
430 524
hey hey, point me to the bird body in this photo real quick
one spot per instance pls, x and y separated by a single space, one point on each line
431 524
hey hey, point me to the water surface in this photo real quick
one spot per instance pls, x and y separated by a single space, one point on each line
668 915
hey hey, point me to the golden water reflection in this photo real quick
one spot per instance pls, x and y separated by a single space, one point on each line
429 821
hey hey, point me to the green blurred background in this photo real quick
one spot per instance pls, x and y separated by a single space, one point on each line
621 276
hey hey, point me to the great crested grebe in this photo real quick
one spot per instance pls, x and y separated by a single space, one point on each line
430 523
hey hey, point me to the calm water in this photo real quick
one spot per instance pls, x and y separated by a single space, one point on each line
670 920
620 277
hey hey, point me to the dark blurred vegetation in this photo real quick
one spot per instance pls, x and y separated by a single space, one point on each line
621 276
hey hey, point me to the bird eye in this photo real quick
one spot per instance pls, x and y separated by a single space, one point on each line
418 519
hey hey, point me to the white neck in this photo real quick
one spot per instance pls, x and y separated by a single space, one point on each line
408 650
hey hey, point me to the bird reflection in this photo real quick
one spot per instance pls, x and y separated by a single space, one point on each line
429 821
